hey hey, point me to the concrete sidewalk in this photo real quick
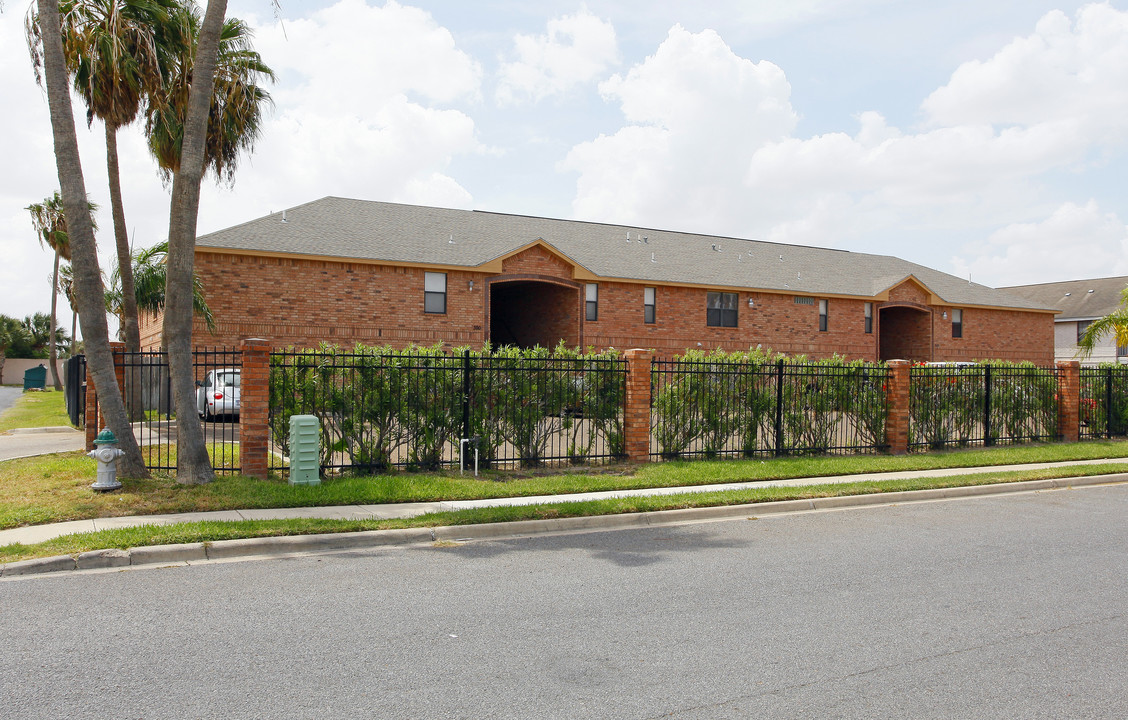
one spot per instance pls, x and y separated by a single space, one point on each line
40 533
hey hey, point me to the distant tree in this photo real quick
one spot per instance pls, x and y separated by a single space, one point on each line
1115 323
66 286
12 338
51 226
39 336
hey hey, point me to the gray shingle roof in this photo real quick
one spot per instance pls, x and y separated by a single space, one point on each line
1077 299
388 232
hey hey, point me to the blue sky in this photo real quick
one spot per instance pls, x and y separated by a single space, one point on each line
982 139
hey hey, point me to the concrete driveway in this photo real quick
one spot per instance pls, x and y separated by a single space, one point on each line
26 442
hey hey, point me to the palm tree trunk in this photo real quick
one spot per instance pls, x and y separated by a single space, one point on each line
130 329
53 353
87 276
131 332
192 462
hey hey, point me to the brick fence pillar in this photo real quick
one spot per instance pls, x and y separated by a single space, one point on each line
91 417
636 414
1069 399
897 402
254 408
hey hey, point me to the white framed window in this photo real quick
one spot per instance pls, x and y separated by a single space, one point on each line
434 293
822 315
648 307
591 303
957 323
869 318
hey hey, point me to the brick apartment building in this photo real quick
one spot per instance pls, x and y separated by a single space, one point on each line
350 271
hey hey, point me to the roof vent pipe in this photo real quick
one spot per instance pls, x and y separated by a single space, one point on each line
284 216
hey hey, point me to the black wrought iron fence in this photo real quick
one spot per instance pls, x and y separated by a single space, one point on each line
1103 408
75 388
425 410
964 404
705 407
147 393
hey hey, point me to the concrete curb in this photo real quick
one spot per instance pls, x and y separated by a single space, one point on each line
331 542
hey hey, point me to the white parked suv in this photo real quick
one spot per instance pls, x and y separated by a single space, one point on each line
218 393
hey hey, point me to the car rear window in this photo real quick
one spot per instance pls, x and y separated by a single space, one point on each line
228 380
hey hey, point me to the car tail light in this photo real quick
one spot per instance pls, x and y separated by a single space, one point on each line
219 396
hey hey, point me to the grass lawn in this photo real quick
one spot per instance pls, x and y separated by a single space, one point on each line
36 409
54 488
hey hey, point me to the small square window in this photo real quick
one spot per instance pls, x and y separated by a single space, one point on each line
822 315
434 293
957 323
1082 326
720 309
869 318
592 302
648 314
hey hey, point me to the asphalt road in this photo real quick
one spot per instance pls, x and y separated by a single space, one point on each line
996 607
8 396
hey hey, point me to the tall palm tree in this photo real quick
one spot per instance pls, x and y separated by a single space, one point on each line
48 54
118 53
202 89
238 104
51 226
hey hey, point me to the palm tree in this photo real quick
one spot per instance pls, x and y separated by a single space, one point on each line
51 227
149 274
47 53
1116 322
118 53
235 118
12 335
66 285
204 92
40 334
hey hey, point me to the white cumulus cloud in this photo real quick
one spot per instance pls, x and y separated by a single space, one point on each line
369 104
1069 75
693 108
709 143
1075 242
575 50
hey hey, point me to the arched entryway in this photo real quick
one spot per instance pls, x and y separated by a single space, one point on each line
905 333
530 312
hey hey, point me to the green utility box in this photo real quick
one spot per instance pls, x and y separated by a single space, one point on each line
305 450
35 378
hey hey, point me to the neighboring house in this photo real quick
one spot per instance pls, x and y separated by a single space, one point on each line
1080 302
351 271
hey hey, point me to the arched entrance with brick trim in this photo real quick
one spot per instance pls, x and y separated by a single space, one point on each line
531 310
905 332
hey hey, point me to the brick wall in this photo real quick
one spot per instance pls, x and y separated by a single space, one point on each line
305 302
